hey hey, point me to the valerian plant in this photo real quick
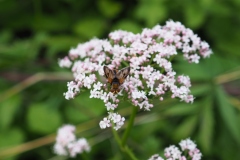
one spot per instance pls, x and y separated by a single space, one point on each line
149 55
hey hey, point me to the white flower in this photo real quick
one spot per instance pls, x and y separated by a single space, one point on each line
119 123
187 144
116 118
172 152
105 123
78 147
69 95
65 62
148 54
97 86
138 94
66 143
65 135
185 80
110 106
59 149
155 157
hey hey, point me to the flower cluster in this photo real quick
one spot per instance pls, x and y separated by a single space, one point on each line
149 56
116 119
173 152
67 144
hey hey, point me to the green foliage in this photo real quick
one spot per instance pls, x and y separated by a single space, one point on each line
35 34
151 11
8 111
38 121
11 137
228 114
90 27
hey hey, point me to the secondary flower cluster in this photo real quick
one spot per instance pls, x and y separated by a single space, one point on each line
115 118
67 144
173 152
148 54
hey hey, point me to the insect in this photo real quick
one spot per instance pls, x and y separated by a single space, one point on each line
116 78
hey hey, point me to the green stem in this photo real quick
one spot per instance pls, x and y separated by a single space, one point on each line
129 152
125 148
130 124
116 136
84 156
122 143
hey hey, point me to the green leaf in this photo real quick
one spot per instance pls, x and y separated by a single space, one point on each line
228 113
194 14
91 107
194 71
8 109
90 27
6 35
74 114
109 8
127 25
186 128
57 44
151 11
152 144
207 125
42 119
181 109
207 69
58 22
19 50
11 137
200 89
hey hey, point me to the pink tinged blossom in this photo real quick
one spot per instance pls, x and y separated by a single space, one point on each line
65 135
155 157
65 62
78 147
148 54
59 149
193 58
191 147
145 104
69 95
73 53
104 123
172 152
185 80
138 94
117 35
119 124
117 120
66 143
138 46
183 158
110 106
197 155
187 144
97 86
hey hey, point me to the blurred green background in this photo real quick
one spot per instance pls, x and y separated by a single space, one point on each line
34 34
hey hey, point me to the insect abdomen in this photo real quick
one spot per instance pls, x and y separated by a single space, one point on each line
115 83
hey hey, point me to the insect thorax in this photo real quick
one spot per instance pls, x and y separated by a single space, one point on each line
115 80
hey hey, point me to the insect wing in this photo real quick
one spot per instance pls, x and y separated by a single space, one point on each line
122 74
108 74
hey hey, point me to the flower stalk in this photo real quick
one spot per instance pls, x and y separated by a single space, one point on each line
124 148
129 125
